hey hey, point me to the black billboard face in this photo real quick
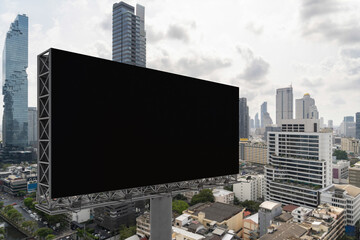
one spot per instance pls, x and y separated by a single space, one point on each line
116 126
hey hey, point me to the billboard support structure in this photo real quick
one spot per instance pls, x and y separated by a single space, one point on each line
54 206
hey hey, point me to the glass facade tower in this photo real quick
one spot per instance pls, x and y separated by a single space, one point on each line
15 84
128 32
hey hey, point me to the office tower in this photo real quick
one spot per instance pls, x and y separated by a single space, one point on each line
348 119
252 123
15 84
243 119
263 110
267 121
305 108
348 127
357 125
32 132
284 104
330 124
257 122
299 163
129 39
322 122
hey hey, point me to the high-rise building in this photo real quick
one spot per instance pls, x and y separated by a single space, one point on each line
305 108
349 119
257 122
15 84
267 121
263 110
330 124
299 163
243 118
129 39
284 104
252 123
357 125
33 131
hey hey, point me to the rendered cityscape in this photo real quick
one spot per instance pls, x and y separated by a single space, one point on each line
299 172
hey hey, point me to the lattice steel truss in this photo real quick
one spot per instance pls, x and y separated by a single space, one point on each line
76 203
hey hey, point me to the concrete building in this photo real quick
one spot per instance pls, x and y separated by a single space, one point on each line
128 32
299 163
14 184
354 175
267 212
253 152
182 234
284 231
305 108
251 227
346 197
217 213
350 145
330 124
300 214
273 128
250 187
81 216
341 171
223 196
284 104
143 225
243 118
348 128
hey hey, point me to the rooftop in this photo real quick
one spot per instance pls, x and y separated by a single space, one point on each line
187 234
254 218
216 211
289 208
270 205
284 217
350 189
285 231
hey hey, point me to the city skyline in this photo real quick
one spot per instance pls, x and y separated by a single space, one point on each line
277 45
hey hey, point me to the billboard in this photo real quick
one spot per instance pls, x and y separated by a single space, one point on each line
115 126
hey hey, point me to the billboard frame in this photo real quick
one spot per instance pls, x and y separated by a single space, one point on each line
54 206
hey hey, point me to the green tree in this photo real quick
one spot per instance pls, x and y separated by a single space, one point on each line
125 232
252 206
30 225
50 237
84 234
43 232
2 233
29 203
340 154
229 188
14 215
236 201
204 195
179 206
8 208
21 193
179 197
1 205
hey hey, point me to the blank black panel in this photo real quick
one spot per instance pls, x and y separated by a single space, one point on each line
117 126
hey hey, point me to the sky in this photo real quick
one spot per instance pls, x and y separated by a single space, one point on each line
257 45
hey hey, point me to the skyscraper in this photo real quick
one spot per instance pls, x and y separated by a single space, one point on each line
357 126
263 110
243 118
15 84
257 122
128 30
305 108
284 104
32 132
330 124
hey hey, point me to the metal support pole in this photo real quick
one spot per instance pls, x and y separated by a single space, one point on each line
160 217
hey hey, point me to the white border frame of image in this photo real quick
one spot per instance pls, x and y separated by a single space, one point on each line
76 203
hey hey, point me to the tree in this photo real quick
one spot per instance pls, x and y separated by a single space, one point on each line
2 233
29 203
125 232
252 206
14 215
204 195
43 232
1 205
21 193
8 208
340 154
50 237
236 201
229 188
179 206
30 225
180 197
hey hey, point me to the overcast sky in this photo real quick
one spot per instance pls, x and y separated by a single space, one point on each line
258 45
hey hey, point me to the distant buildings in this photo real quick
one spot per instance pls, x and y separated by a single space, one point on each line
243 119
348 127
305 108
253 152
250 187
346 197
330 124
257 121
15 84
291 153
284 104
263 110
128 31
354 175
33 129
357 125
350 145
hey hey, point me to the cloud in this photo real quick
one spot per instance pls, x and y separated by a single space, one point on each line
177 32
312 83
256 67
331 20
257 30
153 36
106 23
